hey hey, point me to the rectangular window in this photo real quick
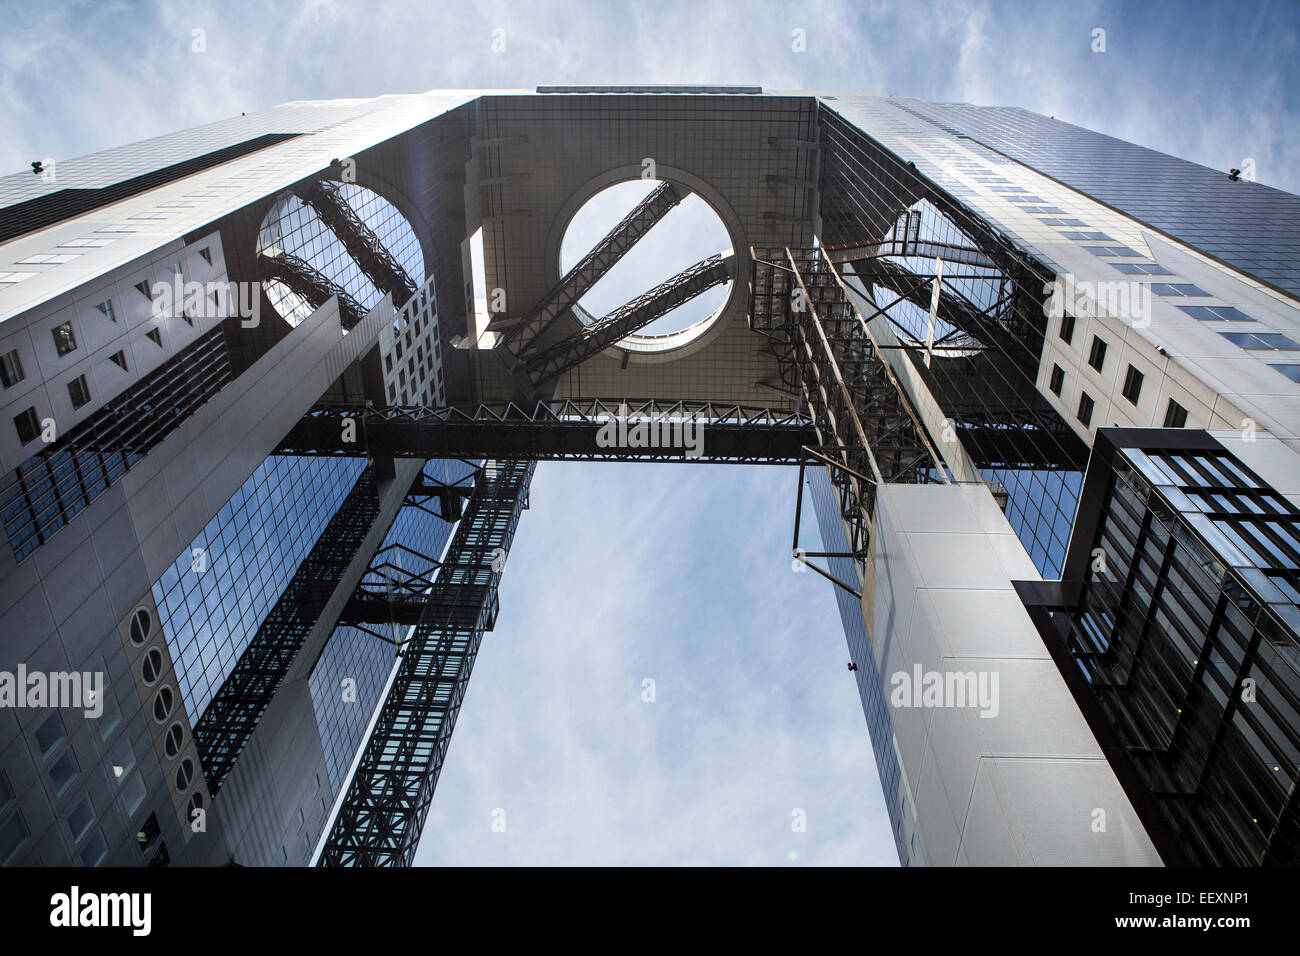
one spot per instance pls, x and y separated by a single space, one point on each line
1085 408
1215 313
11 369
1058 379
64 340
1067 328
81 819
1175 415
1141 268
27 424
1097 357
1290 371
1132 385
79 391
12 834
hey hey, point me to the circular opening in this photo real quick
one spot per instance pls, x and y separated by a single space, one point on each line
141 625
184 775
162 704
294 232
151 666
172 742
196 803
687 235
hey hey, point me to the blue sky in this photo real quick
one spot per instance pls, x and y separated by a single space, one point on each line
755 714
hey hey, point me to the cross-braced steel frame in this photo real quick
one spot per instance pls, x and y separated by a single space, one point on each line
631 317
362 243
383 811
518 337
312 284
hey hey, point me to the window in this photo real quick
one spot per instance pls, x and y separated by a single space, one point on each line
1290 371
1088 236
1086 405
1063 222
141 625
81 819
12 834
27 424
148 832
206 255
300 818
1215 313
49 734
79 391
163 702
121 759
143 288
152 666
63 771
1261 340
1166 288
7 790
1141 268
173 741
1112 251
1175 415
96 850
155 336
119 359
1067 328
1132 385
11 369
133 793
184 775
106 307
1057 380
64 340
1097 356
284 856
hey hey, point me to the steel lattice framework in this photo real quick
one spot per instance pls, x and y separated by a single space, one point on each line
595 338
313 285
362 243
383 812
519 337
568 430
233 714
867 431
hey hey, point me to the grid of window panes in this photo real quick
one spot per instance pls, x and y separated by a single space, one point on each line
217 591
292 227
1190 637
870 689
1040 507
45 492
1252 227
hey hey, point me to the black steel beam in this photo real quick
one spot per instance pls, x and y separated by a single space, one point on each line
575 429
628 318
300 276
362 243
520 337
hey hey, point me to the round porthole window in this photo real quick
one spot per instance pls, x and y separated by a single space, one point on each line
195 804
174 739
152 665
163 702
141 625
184 775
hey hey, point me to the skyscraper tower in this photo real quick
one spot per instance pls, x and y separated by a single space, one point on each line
266 439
